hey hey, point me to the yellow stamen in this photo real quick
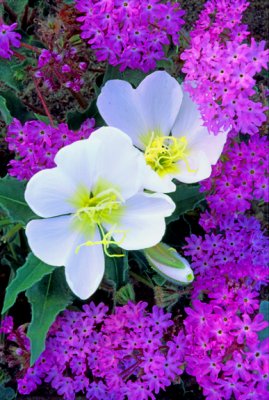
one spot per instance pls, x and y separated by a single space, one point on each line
163 153
104 204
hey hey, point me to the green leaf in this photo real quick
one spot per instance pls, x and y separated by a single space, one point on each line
7 393
76 118
12 200
158 279
124 294
186 198
18 6
7 74
264 309
132 76
30 273
116 269
48 298
4 111
42 118
16 107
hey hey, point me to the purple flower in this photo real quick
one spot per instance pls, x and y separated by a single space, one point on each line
8 38
35 144
131 33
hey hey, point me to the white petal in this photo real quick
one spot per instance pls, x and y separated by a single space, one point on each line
48 192
152 181
189 121
119 162
198 162
119 107
78 161
211 145
84 269
143 221
159 97
51 239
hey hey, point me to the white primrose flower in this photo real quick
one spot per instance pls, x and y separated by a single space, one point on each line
90 200
149 114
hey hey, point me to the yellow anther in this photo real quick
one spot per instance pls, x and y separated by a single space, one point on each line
106 241
163 153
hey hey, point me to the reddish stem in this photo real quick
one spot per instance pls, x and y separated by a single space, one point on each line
19 56
30 47
41 98
12 14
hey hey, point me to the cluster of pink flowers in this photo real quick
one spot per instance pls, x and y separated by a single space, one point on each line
220 68
8 38
237 249
223 350
63 68
240 177
130 33
130 354
35 144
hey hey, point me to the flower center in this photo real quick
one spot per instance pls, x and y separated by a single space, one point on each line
103 205
163 153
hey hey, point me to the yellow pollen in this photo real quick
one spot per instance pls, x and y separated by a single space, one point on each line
163 153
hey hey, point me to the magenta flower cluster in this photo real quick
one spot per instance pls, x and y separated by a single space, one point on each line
8 38
240 177
220 68
223 350
130 354
35 144
130 33
63 68
236 249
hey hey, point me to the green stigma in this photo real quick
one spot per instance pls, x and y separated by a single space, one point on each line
163 153
103 205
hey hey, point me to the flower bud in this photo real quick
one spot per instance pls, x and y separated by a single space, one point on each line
167 262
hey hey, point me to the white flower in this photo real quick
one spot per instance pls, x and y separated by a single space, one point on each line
149 114
92 199
167 262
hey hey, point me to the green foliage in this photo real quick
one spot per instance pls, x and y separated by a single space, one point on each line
16 107
134 77
76 118
116 269
18 6
12 200
4 111
124 294
48 298
264 309
7 393
8 71
186 198
30 273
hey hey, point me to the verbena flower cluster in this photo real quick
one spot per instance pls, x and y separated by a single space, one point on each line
223 350
63 68
237 250
239 177
8 38
35 144
130 33
131 353
220 68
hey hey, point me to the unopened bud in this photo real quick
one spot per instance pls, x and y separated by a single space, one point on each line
167 262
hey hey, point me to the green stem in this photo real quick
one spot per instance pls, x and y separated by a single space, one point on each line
142 280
